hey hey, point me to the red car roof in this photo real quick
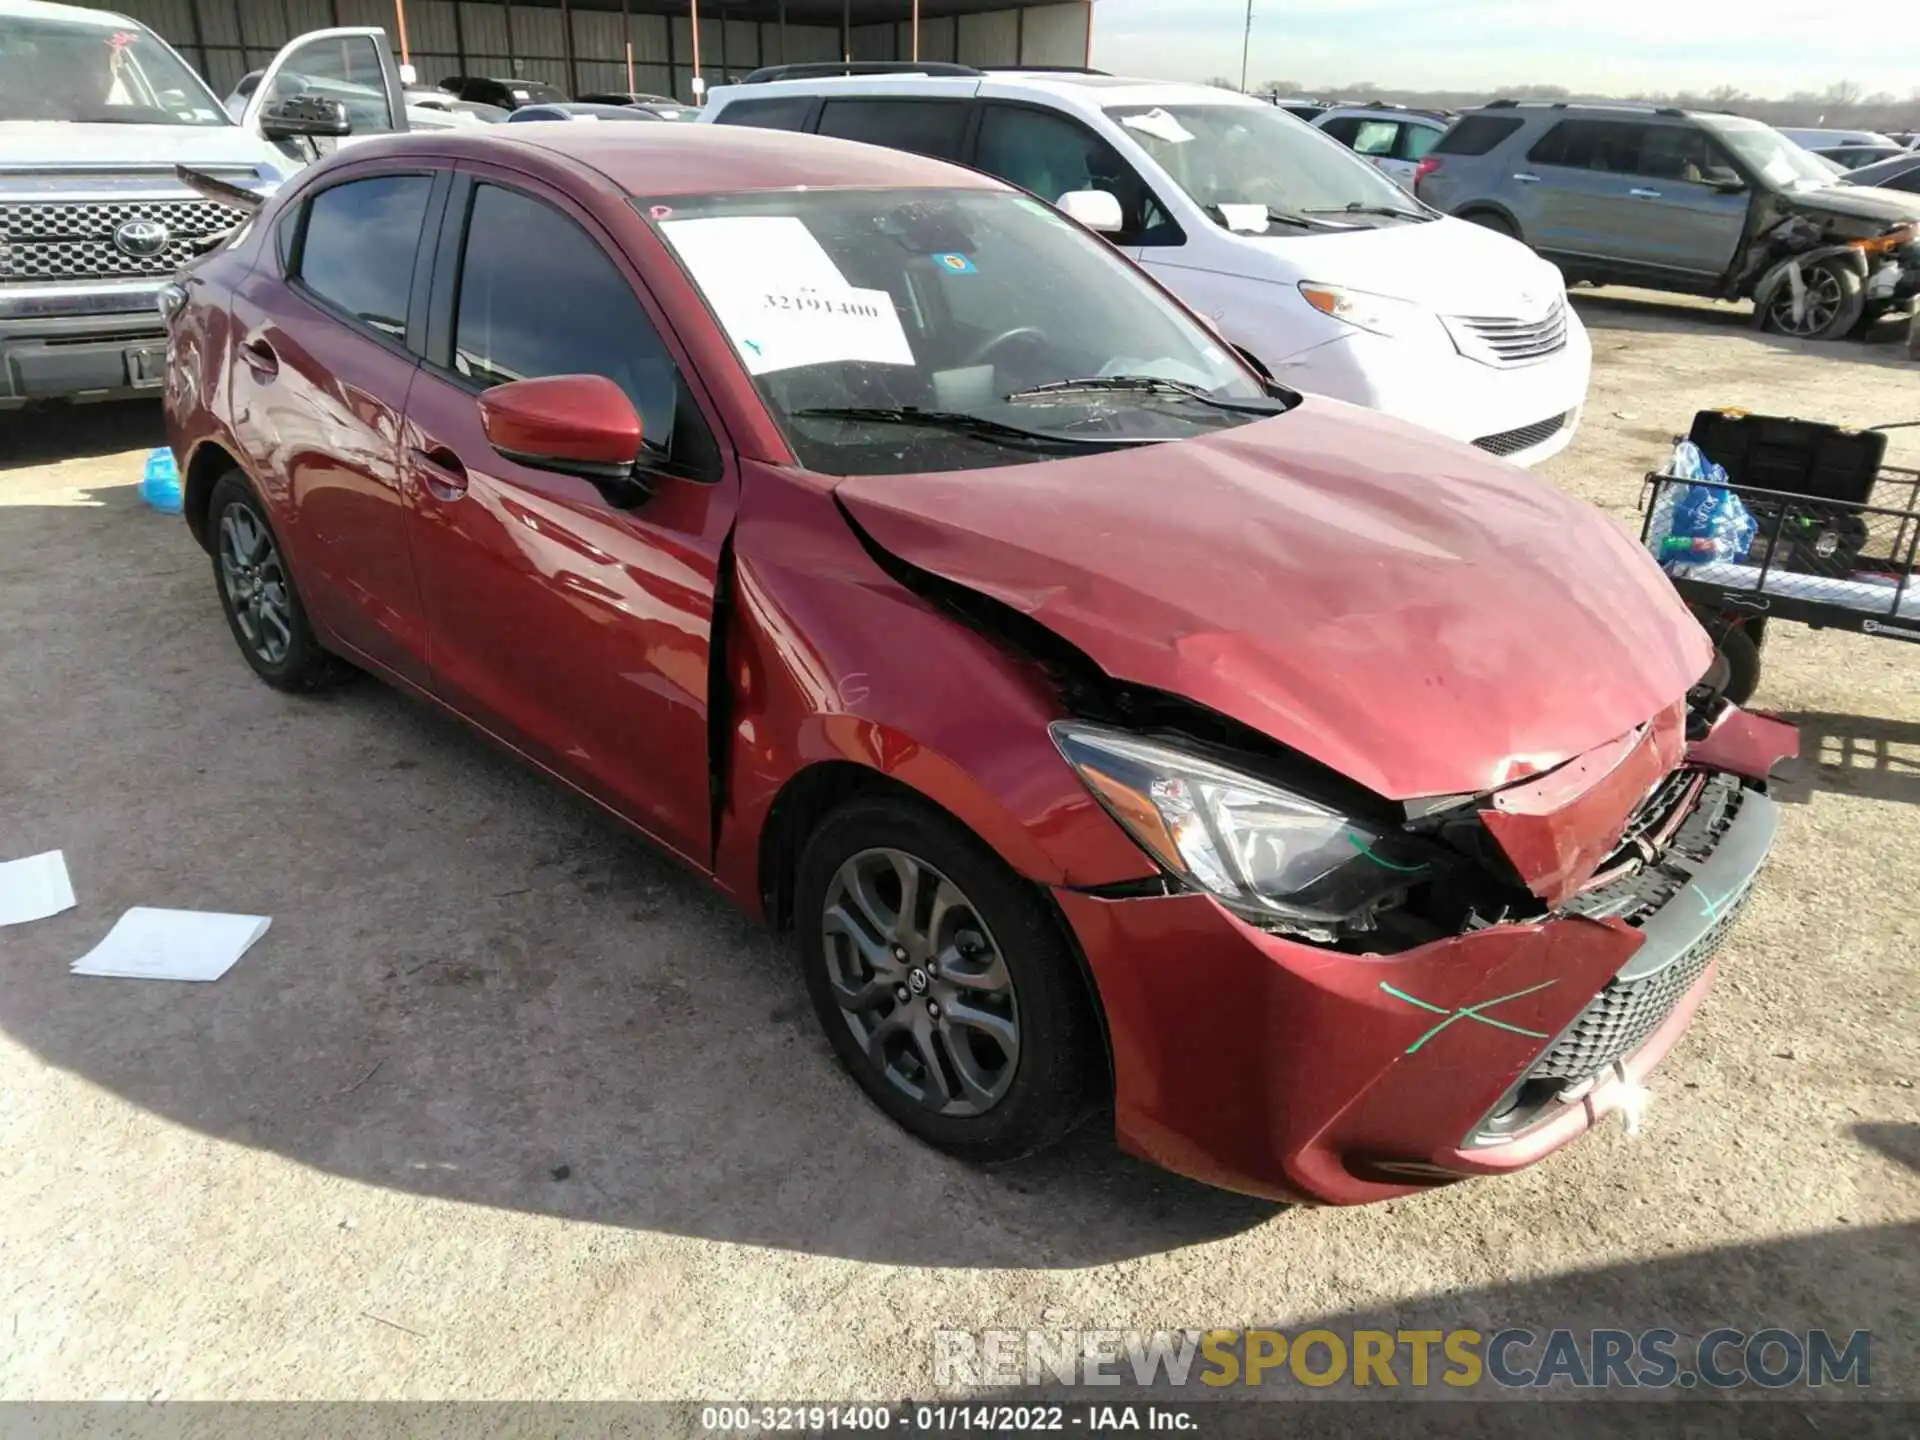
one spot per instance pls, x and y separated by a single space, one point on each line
697 159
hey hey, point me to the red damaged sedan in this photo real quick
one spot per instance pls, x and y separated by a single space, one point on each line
1112 726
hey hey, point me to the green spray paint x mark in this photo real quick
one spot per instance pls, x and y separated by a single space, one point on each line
1471 1012
1367 850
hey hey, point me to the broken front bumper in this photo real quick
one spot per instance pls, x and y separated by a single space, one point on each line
1253 1062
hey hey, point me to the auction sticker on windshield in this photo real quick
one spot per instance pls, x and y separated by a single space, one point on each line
781 299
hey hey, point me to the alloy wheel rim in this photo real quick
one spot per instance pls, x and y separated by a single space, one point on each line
1822 304
921 983
255 583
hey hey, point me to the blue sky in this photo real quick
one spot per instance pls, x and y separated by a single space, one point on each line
1766 47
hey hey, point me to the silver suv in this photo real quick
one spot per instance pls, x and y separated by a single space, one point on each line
1699 202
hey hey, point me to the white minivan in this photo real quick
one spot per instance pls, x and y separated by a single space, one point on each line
1322 271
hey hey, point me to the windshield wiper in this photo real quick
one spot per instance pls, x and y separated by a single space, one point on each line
1356 207
1145 385
1274 217
977 426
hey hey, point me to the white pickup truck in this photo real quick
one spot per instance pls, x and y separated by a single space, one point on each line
95 112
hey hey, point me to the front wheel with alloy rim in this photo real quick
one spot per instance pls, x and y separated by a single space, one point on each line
257 592
1830 304
943 981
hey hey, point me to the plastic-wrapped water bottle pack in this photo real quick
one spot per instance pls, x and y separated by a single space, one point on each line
1703 521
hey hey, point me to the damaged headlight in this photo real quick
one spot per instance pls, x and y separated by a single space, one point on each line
1275 856
1378 314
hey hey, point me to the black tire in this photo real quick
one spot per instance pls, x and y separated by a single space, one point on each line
1048 1093
1836 321
1493 220
293 661
1736 666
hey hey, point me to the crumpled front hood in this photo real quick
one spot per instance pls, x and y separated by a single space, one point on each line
1858 202
1416 615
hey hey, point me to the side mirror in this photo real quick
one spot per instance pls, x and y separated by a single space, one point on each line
1096 209
1727 184
580 425
308 115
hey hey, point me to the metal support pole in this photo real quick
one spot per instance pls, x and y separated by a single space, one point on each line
1089 59
916 31
1246 47
673 78
566 47
725 66
783 32
626 35
1020 36
846 30
200 43
512 67
460 39
400 22
700 81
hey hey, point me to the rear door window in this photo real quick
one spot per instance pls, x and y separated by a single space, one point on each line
772 112
357 248
1610 146
1416 141
1477 134
1376 137
926 127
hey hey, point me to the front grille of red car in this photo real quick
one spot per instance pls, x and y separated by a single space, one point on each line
1686 901
1634 1003
74 240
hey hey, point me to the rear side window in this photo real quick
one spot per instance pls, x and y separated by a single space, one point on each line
1477 134
358 247
1605 145
926 127
1416 141
1364 136
774 112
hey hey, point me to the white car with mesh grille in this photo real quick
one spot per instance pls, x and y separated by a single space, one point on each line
1317 267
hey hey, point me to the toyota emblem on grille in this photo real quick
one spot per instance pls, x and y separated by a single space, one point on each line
141 239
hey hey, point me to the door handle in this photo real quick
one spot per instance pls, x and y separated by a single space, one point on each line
1640 194
260 358
446 477
1525 178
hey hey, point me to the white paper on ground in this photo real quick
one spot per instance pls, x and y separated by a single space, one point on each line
1246 219
172 945
781 299
34 888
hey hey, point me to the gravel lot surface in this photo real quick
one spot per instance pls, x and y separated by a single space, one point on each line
506 1106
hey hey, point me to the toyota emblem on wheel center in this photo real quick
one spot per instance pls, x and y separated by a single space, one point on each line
141 239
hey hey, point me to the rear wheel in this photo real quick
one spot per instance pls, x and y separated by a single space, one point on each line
943 982
1493 220
1831 306
257 592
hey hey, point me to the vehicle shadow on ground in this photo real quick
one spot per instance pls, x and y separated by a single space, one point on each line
1840 1281
74 432
476 985
1853 755
1649 312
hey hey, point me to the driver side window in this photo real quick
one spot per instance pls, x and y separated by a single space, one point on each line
346 68
1053 156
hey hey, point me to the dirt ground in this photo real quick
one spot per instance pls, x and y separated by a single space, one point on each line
505 1106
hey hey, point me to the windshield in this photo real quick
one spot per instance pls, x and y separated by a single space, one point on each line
1247 164
97 74
895 331
1772 156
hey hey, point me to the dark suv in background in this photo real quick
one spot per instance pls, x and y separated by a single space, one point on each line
1699 202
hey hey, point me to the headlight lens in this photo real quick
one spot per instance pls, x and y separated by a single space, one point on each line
1261 849
1379 314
